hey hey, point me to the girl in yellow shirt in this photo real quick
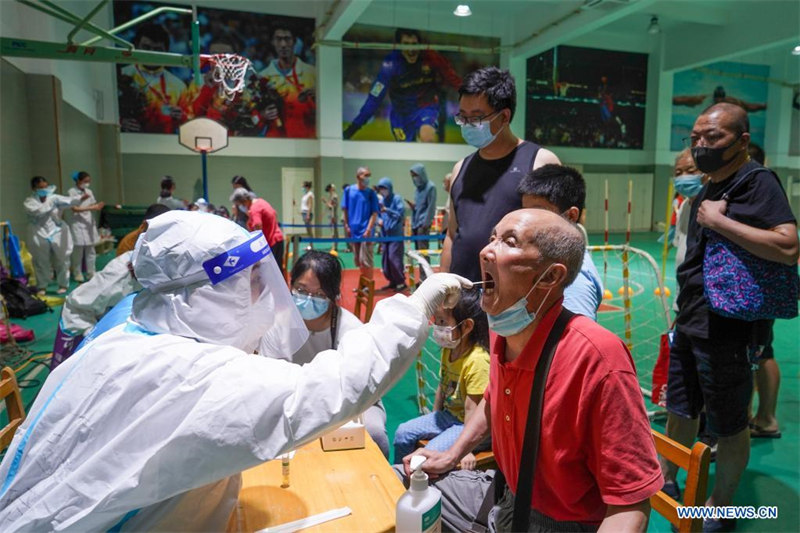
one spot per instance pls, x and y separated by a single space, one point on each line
463 334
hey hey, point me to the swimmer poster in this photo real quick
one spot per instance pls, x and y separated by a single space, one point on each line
586 98
407 95
279 98
738 83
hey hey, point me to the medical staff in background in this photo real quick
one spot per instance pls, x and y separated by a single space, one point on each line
84 229
156 418
49 238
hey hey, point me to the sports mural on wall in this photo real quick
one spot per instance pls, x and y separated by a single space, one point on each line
586 98
406 95
279 97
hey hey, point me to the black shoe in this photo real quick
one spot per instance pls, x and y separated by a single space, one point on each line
723 524
386 287
401 287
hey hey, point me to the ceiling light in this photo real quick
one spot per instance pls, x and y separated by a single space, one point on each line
462 10
654 28
796 50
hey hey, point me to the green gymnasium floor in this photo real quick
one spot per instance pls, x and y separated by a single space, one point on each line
773 473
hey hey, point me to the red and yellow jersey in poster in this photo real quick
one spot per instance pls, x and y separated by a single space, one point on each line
163 96
296 86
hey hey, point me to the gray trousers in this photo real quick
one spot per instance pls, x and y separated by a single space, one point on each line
463 492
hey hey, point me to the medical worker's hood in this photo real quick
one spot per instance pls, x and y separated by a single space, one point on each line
207 278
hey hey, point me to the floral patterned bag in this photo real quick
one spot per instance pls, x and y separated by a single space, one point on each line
739 284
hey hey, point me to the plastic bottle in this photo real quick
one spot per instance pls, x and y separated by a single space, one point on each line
419 510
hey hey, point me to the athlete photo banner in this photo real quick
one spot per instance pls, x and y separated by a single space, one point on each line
586 97
407 95
279 96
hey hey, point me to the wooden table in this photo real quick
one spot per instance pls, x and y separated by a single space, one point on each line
321 481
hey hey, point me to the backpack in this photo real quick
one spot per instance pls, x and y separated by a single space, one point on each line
19 300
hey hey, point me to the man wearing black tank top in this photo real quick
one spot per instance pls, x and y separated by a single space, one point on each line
484 187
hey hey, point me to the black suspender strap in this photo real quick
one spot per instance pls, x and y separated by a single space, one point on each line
530 446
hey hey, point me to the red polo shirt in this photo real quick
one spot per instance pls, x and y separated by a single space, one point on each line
596 448
261 212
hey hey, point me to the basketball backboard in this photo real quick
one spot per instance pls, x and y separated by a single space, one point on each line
203 135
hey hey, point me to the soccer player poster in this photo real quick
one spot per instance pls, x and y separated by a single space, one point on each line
406 95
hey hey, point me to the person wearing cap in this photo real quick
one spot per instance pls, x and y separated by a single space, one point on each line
84 229
261 216
148 427
392 217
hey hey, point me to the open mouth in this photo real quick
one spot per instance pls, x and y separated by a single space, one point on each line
488 283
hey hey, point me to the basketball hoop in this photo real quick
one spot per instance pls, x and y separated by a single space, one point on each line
229 72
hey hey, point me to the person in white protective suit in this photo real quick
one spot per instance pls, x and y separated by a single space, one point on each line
84 230
148 427
48 235
85 305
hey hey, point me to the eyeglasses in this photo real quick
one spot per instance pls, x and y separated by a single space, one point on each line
461 120
711 139
308 294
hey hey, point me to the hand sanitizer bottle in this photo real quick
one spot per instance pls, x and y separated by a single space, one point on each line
419 510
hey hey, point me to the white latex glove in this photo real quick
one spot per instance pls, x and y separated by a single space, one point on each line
439 289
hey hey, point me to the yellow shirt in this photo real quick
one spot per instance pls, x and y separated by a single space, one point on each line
469 374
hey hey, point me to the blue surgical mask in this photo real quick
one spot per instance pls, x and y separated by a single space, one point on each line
516 318
365 181
310 307
47 191
242 208
479 135
688 185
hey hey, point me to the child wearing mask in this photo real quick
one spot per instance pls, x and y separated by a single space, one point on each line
463 334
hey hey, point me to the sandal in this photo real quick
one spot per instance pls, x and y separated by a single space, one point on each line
757 432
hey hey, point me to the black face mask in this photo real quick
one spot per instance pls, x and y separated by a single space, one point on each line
710 159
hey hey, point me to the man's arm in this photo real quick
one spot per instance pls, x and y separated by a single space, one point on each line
626 518
475 430
370 225
346 222
545 157
778 244
452 226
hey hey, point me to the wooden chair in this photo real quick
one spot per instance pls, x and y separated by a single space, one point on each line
365 295
9 391
695 462
483 460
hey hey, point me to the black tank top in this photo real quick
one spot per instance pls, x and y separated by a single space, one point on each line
484 192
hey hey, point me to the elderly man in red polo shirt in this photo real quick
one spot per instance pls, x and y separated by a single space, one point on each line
596 465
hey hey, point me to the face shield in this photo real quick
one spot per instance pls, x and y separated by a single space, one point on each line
237 298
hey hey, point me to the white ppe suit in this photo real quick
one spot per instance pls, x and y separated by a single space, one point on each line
48 234
84 233
145 429
85 305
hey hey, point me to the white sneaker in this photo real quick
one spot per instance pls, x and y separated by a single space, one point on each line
78 278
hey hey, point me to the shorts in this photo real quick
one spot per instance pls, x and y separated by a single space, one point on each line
762 340
405 127
362 254
714 374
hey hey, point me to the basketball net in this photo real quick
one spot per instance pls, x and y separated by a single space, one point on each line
229 73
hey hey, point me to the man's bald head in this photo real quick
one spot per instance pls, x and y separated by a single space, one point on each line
731 116
556 239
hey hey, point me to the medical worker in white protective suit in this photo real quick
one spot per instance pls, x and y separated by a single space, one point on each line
149 426
48 234
85 305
